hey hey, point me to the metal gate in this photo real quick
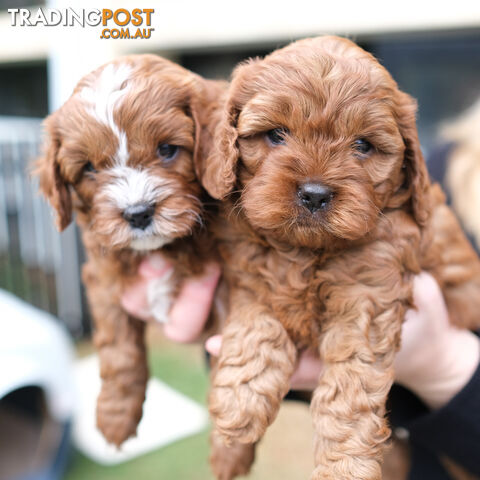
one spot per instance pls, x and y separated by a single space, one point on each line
36 262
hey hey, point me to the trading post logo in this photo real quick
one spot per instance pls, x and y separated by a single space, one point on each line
120 23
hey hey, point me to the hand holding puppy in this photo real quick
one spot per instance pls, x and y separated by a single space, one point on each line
436 370
191 308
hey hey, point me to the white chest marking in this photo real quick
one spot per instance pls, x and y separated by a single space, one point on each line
159 296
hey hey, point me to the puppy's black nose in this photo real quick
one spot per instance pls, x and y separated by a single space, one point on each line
314 196
139 215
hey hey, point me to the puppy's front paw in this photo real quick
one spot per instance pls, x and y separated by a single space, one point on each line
251 378
230 462
118 417
116 428
240 414
321 475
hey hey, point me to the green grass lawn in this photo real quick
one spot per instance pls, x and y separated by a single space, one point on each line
183 368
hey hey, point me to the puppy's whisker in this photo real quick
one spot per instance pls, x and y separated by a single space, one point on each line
236 209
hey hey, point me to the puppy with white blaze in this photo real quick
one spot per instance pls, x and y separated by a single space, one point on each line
124 153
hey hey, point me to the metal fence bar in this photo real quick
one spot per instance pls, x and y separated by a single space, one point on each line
36 262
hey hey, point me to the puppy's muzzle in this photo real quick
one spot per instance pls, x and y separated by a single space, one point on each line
314 196
139 215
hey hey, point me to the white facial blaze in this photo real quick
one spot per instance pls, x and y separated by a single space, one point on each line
104 97
131 186
128 186
121 156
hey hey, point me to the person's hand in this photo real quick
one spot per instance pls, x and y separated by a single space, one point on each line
190 309
436 360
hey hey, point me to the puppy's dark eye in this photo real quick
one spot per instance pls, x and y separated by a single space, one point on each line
362 146
89 168
277 136
167 152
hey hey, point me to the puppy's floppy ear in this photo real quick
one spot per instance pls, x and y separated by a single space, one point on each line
52 184
220 168
206 105
417 178
219 172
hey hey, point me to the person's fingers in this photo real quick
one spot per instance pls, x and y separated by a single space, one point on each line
428 319
213 345
427 295
308 371
436 360
134 300
192 306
